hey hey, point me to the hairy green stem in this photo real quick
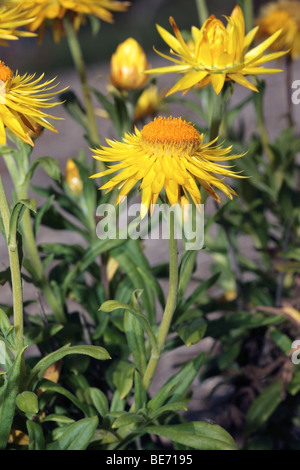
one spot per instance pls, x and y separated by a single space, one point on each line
29 243
217 115
247 7
261 122
202 11
78 59
169 309
14 262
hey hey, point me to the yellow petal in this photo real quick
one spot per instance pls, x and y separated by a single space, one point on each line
188 81
239 78
218 80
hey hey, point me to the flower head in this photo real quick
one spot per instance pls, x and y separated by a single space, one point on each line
21 100
11 19
53 11
216 53
286 15
128 65
167 153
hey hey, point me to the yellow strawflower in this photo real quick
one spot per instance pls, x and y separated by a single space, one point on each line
218 54
286 15
11 19
167 153
127 66
21 100
53 11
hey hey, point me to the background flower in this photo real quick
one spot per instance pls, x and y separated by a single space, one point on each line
54 11
22 98
11 19
286 15
218 54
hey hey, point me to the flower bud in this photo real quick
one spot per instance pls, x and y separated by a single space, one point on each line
127 66
72 177
147 103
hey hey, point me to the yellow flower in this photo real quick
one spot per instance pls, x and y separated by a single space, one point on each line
72 177
127 66
286 15
54 11
219 53
12 18
167 153
21 100
148 102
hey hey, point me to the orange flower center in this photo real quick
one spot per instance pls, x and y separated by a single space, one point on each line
169 135
6 73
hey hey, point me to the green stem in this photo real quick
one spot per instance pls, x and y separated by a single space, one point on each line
14 263
247 7
77 56
261 123
217 115
169 309
29 243
202 10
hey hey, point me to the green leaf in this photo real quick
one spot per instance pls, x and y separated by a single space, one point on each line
58 419
41 213
123 378
135 340
36 437
140 394
201 436
77 436
282 341
75 109
263 407
111 305
5 325
99 401
187 266
93 351
49 164
27 402
127 419
5 276
294 385
95 249
36 334
53 387
153 284
176 386
95 24
192 332
184 305
132 261
17 213
174 407
8 395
